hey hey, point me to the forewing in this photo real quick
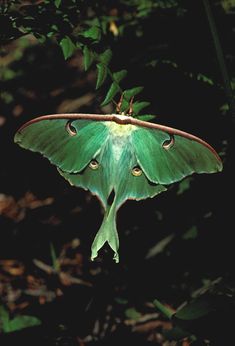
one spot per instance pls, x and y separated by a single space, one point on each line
167 158
70 145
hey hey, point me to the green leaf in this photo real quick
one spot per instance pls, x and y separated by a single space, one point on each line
4 319
54 27
88 58
164 310
118 76
184 185
205 79
129 93
68 47
93 33
50 34
113 90
132 314
145 117
21 322
191 233
105 57
55 263
57 3
138 106
196 309
125 105
101 76
40 38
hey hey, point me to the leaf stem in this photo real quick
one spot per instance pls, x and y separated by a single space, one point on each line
220 56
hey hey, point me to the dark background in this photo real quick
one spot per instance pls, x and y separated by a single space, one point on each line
171 53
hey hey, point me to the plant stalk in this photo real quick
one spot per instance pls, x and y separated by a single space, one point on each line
220 56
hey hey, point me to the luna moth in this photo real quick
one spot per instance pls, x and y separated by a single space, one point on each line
116 157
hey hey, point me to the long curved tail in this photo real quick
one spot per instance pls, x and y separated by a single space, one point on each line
107 233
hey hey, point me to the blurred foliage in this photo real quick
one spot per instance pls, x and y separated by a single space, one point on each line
75 25
69 56
8 325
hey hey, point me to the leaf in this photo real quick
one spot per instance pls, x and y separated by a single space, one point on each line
40 38
132 314
68 47
21 322
205 79
145 117
57 3
105 57
184 185
113 90
160 246
165 310
191 233
138 106
102 74
88 58
54 259
124 106
118 76
93 33
129 93
196 309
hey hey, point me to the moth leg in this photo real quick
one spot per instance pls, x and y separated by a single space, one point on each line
130 110
119 104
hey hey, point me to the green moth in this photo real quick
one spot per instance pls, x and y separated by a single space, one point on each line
116 157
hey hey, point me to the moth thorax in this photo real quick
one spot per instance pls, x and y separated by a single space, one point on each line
119 144
120 130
